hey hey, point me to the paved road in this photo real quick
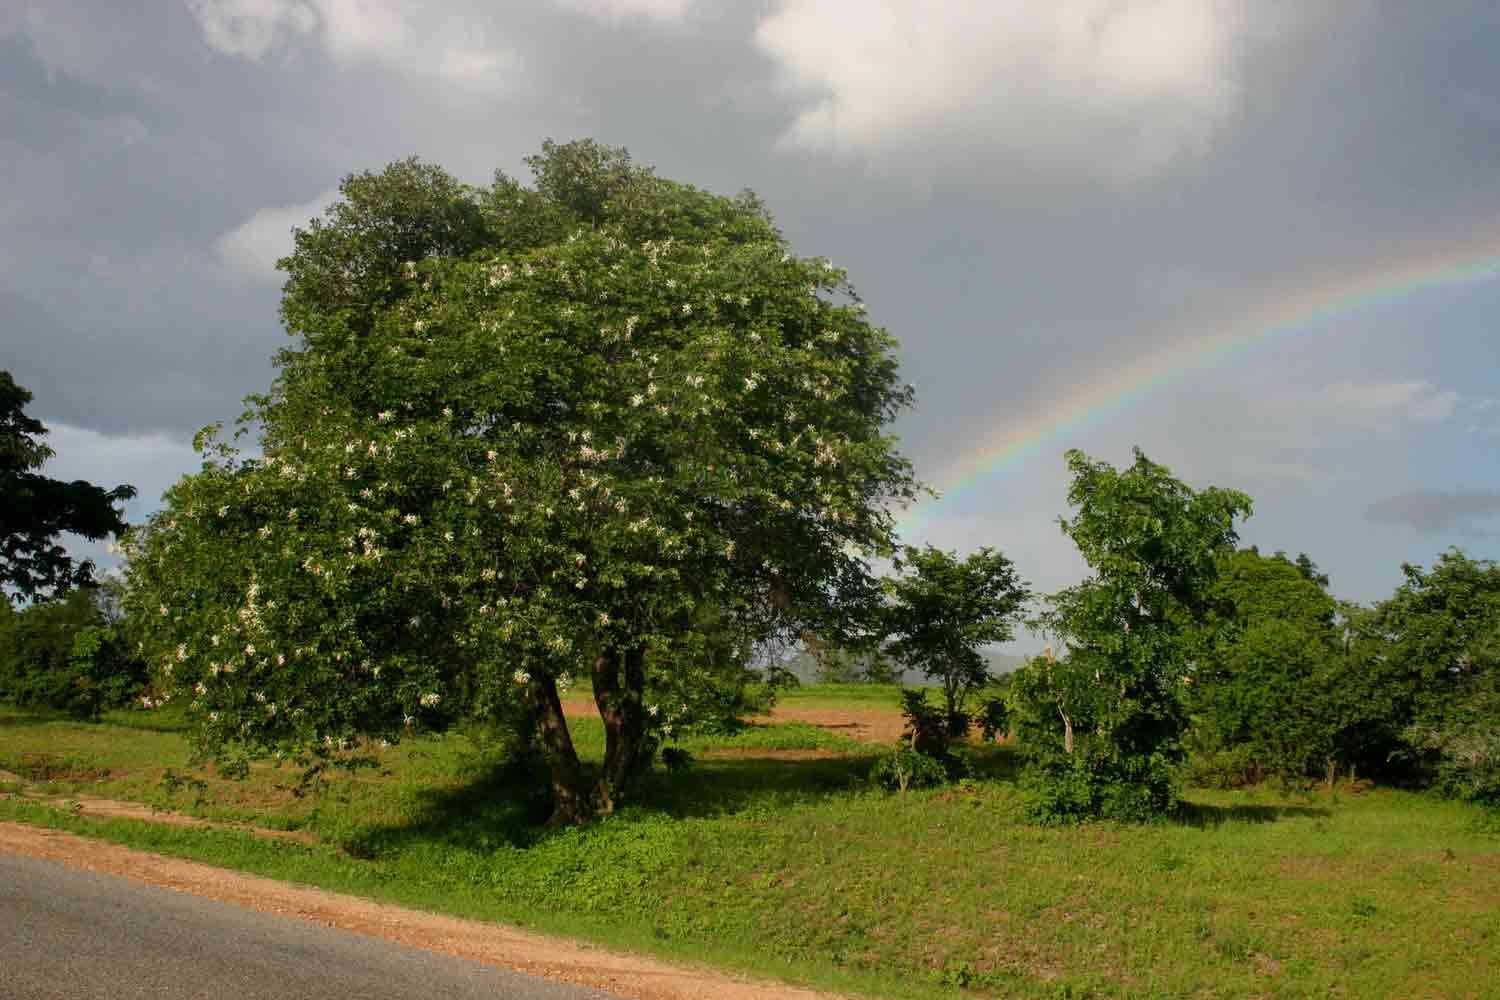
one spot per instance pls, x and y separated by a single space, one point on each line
72 935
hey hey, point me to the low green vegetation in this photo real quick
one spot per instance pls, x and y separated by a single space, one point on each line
608 436
796 866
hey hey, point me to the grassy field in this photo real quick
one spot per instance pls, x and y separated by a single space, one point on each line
772 855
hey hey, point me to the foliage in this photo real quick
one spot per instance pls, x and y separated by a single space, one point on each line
994 717
522 435
67 654
35 510
834 662
905 767
1466 740
927 728
1440 655
941 610
1102 726
929 735
1268 680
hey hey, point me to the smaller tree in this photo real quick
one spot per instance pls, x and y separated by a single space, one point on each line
35 510
1102 727
839 662
67 653
1268 681
1437 650
942 610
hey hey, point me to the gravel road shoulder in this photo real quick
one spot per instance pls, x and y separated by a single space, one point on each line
492 944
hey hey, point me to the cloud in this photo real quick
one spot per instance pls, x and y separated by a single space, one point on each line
1377 405
149 462
251 249
615 10
1090 86
457 46
1309 416
250 27
1432 512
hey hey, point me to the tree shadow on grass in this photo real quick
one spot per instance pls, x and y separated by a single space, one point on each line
1203 815
158 721
501 805
726 786
15 719
505 803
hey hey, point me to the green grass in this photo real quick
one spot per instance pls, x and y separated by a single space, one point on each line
842 696
793 868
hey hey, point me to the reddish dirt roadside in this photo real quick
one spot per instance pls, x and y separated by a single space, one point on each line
492 944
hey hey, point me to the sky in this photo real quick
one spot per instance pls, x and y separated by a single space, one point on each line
1260 240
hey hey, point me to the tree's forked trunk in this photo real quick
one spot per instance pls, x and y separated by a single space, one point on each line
619 686
569 800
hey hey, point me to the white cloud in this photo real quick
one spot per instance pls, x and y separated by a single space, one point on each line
456 46
1093 86
251 249
250 27
615 10
1382 405
149 462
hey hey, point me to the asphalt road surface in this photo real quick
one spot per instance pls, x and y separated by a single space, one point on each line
77 935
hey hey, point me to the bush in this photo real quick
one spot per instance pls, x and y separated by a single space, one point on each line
907 768
928 728
1089 784
1213 766
994 718
1466 744
66 654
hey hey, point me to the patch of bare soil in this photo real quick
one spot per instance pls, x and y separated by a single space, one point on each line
114 808
492 944
89 805
767 753
870 725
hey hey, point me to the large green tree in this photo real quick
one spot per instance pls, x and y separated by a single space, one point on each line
1440 657
1268 691
35 510
943 610
1102 726
523 434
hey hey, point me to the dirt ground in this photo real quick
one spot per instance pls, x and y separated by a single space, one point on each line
870 725
492 944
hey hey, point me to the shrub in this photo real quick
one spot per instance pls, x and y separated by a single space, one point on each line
928 728
906 768
994 718
66 654
676 759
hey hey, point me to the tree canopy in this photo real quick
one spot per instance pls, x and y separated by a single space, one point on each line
1103 725
1267 671
35 510
523 435
943 610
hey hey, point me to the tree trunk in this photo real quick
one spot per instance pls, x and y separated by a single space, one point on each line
619 687
1067 730
569 800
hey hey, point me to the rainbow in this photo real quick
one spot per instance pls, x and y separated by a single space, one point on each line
1285 313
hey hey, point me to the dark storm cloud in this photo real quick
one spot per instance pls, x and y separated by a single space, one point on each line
1432 512
990 229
